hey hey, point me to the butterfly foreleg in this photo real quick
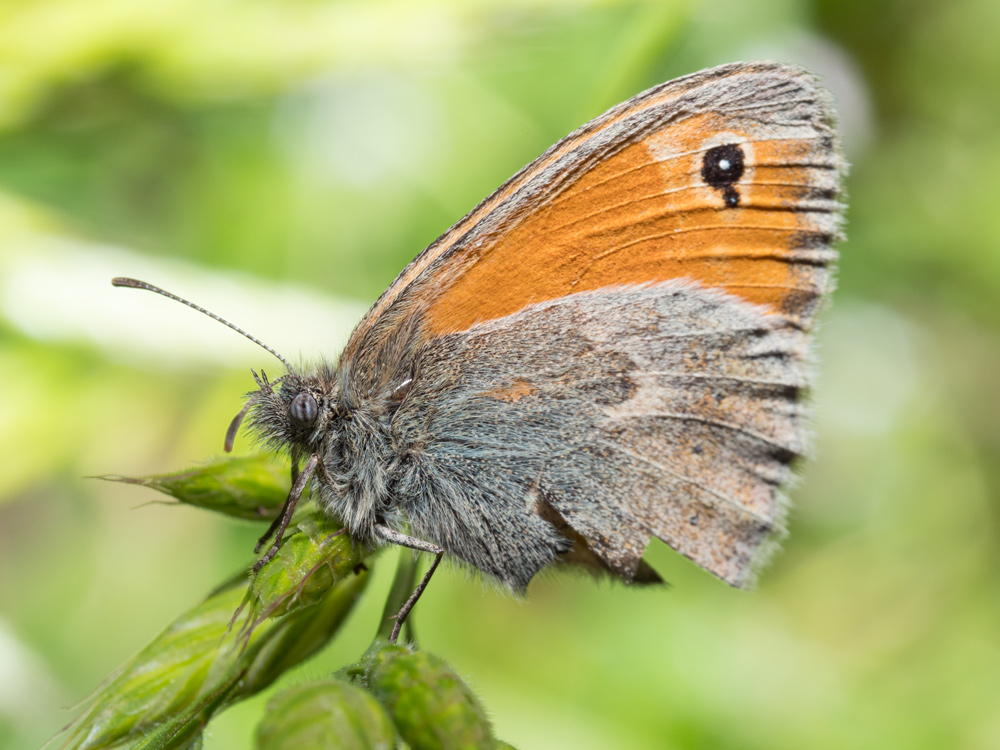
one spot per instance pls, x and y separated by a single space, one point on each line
298 487
296 455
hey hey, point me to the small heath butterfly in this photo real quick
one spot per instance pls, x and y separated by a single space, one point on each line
613 346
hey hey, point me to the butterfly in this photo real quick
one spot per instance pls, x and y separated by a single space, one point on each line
613 346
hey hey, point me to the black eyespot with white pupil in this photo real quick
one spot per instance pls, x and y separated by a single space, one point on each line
721 168
303 410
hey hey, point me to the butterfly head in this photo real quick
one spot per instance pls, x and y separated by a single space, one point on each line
295 412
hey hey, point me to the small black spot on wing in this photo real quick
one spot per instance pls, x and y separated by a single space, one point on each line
721 168
722 165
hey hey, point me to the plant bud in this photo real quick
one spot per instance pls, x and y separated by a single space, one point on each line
316 552
325 715
432 708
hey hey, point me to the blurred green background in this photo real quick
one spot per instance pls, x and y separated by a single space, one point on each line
281 160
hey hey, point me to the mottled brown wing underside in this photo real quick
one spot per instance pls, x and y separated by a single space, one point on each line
666 410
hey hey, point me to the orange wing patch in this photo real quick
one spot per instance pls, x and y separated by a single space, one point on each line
513 392
728 177
648 214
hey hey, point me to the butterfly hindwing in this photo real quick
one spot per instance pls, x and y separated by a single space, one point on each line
662 410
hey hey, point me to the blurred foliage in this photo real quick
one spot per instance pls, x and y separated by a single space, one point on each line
324 144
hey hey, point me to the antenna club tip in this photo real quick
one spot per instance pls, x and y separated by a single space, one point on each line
125 281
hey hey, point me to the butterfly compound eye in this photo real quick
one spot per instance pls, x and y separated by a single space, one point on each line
303 410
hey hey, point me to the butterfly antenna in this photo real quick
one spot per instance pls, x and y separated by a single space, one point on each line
136 284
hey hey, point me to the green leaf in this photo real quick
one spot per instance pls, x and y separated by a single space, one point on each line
325 715
166 694
315 553
307 627
250 487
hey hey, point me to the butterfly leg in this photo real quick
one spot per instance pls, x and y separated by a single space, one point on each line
403 540
271 529
284 508
289 508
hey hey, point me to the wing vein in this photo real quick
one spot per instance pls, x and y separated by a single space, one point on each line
681 155
716 422
647 219
687 480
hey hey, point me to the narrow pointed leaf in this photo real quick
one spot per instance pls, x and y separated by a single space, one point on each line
250 487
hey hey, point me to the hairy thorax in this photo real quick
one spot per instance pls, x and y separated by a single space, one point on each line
350 436
359 465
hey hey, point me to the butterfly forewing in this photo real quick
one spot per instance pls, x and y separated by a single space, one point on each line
617 337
